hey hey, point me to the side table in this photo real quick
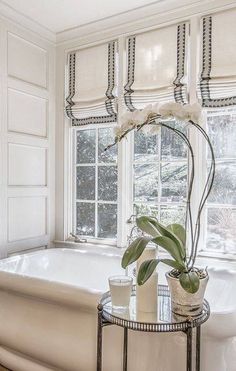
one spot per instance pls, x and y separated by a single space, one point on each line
163 321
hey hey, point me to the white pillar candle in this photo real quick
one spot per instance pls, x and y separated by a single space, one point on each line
147 294
120 288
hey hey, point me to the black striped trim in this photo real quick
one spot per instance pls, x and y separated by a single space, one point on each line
71 85
111 80
205 78
110 98
130 75
179 94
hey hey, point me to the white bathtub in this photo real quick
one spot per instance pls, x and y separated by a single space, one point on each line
48 313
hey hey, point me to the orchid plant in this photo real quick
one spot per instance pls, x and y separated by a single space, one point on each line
173 237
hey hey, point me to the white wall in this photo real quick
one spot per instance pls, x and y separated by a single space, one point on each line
27 139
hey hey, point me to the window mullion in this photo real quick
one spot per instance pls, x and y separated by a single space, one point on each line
124 155
194 137
96 185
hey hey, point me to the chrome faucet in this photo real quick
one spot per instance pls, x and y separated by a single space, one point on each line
77 239
135 231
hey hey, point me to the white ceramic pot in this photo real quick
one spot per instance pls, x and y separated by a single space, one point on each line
182 302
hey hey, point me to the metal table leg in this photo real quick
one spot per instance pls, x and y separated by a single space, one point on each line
125 349
189 333
99 338
198 347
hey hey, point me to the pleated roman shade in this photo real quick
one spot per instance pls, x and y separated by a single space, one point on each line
92 85
157 66
217 85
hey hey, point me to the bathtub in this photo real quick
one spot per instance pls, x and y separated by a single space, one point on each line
48 317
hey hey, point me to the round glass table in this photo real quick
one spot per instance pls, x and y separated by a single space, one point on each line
163 320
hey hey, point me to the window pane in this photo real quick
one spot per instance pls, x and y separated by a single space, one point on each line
146 182
85 217
222 131
221 229
105 138
172 146
221 219
224 188
86 146
172 214
145 147
107 183
173 182
107 220
145 209
85 182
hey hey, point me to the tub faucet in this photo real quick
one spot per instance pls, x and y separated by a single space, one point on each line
77 239
134 231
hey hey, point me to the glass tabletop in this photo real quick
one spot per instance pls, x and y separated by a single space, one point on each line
162 320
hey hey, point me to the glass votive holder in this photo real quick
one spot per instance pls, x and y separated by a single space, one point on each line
120 289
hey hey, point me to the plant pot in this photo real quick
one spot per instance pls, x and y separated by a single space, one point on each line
182 302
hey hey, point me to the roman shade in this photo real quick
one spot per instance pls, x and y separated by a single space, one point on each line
217 85
156 66
92 85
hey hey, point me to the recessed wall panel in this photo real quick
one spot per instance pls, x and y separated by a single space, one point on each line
27 61
26 165
27 113
26 217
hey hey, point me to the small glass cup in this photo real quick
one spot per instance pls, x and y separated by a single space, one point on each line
120 288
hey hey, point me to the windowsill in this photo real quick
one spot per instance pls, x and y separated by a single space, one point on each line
89 245
204 259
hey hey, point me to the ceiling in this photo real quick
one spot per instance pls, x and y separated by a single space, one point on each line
61 15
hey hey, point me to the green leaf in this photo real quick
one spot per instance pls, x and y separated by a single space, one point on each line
154 228
174 264
171 247
134 251
148 266
148 225
146 269
167 233
189 281
179 231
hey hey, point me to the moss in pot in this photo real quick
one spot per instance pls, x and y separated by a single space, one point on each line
187 283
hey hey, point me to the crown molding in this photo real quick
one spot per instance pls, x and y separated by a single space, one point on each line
147 16
12 15
161 12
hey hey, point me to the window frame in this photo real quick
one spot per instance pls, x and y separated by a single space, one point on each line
90 239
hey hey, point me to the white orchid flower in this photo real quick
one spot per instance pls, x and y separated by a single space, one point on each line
179 112
127 119
132 120
193 112
118 131
168 110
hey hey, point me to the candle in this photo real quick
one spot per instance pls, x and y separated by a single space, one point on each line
148 253
120 288
147 294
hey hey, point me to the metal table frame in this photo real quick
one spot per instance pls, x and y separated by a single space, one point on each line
186 326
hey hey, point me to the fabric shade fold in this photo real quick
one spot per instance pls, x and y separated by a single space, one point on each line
217 82
92 85
157 67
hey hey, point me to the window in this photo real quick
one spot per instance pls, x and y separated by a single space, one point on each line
160 175
221 205
95 183
153 170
